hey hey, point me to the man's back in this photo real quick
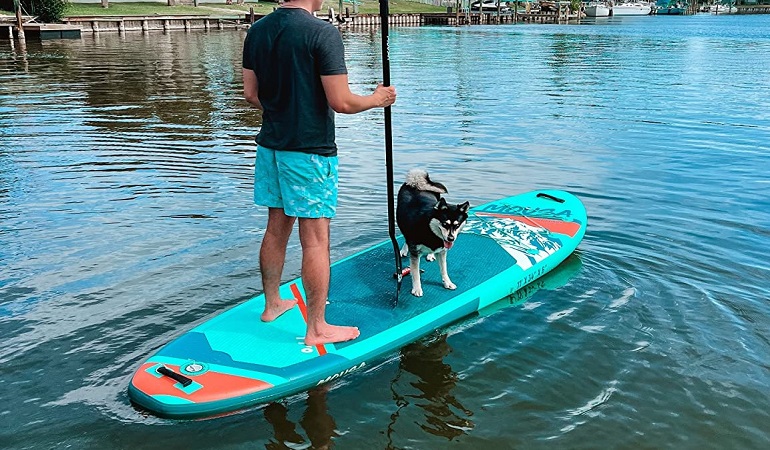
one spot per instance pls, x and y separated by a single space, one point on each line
289 50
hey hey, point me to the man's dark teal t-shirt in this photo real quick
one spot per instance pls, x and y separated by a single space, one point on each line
289 50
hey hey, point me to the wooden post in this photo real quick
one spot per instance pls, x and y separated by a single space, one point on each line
19 22
516 12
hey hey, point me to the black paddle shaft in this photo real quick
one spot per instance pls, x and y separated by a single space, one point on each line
384 13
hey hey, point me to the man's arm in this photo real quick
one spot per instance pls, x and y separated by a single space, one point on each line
251 88
343 101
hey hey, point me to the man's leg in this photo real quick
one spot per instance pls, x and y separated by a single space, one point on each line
314 237
272 255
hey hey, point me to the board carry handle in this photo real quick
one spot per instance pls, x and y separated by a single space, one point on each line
163 370
550 197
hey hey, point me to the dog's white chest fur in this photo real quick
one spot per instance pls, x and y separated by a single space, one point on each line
428 252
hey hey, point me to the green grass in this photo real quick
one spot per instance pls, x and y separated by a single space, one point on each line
136 9
221 9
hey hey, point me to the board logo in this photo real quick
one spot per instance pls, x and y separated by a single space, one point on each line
194 368
539 213
341 374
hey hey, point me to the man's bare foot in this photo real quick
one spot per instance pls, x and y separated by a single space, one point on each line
272 312
329 334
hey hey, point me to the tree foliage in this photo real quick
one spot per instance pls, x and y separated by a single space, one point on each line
48 10
45 10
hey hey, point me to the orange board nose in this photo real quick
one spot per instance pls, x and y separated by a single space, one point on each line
213 385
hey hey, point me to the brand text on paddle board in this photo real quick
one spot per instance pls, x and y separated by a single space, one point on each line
542 213
340 374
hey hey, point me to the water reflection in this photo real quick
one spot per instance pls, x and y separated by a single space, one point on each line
423 367
316 421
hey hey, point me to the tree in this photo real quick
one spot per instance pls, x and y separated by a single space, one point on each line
45 10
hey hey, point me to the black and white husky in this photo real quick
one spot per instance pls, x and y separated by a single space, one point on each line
429 224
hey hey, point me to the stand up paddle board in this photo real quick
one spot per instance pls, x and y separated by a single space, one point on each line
235 360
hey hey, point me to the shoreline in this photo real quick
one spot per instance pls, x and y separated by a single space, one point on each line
72 26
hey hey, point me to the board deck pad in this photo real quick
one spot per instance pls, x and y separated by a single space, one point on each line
235 360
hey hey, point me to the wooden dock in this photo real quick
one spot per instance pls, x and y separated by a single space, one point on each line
45 31
98 24
753 9
39 31
454 19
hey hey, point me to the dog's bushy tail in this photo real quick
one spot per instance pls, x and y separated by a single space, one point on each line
419 179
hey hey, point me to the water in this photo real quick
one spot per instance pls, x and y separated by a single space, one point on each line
126 219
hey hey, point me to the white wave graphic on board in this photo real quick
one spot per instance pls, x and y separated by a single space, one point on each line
527 244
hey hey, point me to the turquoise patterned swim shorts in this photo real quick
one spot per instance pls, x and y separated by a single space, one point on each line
302 184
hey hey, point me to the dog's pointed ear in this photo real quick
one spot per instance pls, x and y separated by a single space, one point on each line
464 206
440 205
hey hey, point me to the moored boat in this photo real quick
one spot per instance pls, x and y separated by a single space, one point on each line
723 8
670 8
597 9
631 9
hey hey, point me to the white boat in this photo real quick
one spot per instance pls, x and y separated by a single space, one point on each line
597 9
631 9
723 9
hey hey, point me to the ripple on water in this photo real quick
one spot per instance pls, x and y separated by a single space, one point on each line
126 218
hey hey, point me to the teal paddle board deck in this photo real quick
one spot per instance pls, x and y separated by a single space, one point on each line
235 360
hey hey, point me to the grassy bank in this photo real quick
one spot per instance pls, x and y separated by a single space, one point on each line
220 9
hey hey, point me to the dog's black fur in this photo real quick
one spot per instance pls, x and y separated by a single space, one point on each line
429 224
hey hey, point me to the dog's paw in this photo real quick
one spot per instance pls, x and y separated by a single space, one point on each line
417 291
449 285
430 257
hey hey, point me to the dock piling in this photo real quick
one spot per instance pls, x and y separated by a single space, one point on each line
19 22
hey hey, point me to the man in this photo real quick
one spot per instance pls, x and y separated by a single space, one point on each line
294 71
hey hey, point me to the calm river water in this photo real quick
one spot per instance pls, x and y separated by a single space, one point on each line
126 219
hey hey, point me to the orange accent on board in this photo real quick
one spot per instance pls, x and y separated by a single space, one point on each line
215 385
303 309
552 225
